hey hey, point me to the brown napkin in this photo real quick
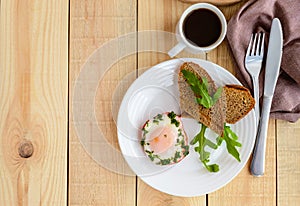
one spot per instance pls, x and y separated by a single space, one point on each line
257 15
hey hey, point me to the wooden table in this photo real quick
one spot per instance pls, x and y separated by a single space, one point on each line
44 45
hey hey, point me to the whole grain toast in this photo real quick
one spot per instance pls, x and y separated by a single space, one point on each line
235 102
239 102
213 117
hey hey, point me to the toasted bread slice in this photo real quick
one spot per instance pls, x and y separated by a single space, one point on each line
213 117
239 102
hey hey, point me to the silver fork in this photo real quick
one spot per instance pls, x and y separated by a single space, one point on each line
253 63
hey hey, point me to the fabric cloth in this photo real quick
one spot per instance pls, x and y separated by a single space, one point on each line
256 16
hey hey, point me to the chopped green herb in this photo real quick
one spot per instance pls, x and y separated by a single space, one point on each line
180 132
143 142
144 131
149 152
177 156
165 161
156 121
151 157
174 121
172 116
186 150
158 117
180 142
200 89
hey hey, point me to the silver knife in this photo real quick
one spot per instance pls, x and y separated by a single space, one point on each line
271 75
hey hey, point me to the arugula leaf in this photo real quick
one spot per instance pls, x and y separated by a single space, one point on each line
212 168
200 88
217 95
204 155
192 80
231 142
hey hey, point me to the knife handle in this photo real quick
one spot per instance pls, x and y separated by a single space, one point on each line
258 161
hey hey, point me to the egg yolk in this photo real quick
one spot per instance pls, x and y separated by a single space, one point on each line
162 139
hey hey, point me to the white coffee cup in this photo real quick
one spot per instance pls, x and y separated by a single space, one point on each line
184 43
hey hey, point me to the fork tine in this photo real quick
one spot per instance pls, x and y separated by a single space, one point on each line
261 53
254 45
258 45
249 46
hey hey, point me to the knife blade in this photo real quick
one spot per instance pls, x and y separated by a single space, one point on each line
271 75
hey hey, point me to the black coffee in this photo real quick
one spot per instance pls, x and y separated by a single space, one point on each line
202 27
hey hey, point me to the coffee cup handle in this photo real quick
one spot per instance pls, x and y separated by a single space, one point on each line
176 49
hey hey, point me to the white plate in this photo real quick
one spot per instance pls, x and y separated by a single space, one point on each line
156 91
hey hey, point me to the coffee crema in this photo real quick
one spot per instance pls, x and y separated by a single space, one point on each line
202 27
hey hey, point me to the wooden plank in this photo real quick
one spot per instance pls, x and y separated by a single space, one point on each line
288 167
93 23
245 189
33 104
160 15
215 2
